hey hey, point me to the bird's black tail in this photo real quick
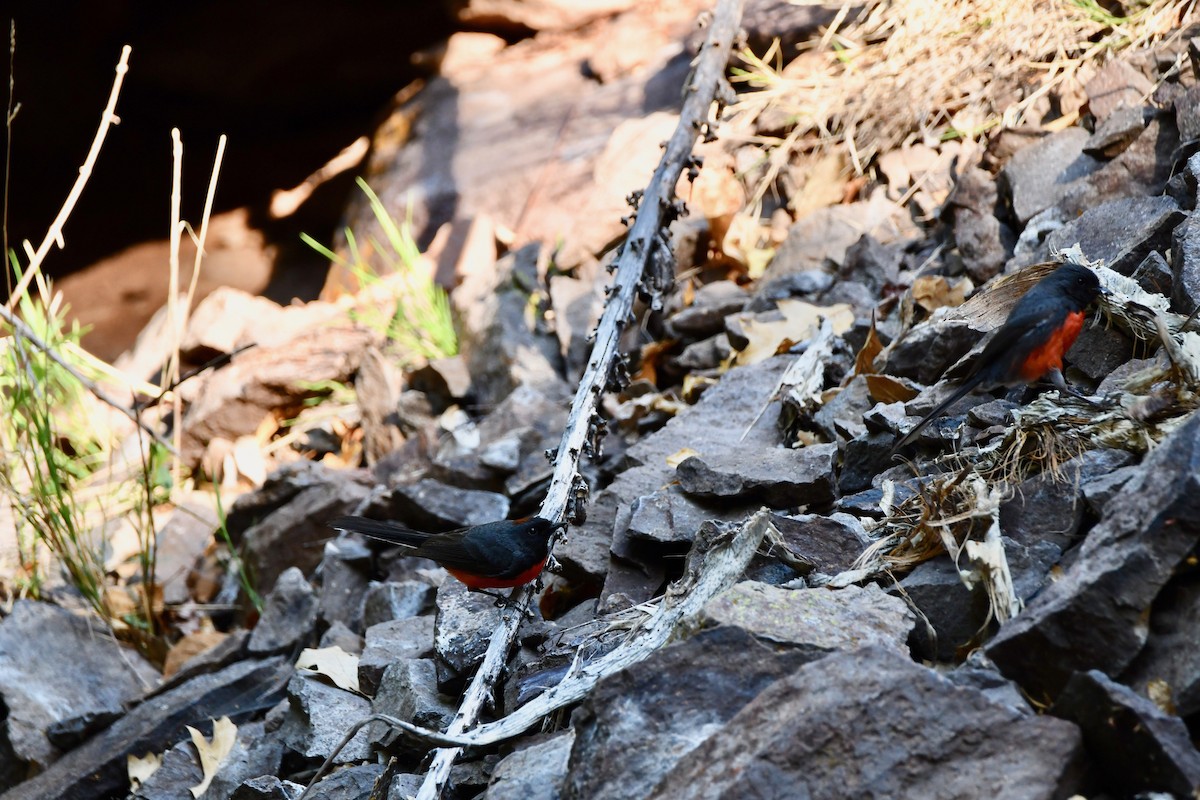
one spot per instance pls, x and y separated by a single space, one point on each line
959 394
392 532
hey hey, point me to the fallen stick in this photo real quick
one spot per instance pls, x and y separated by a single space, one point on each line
640 264
716 561
643 264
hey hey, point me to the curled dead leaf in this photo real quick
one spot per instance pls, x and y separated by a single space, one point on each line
886 389
935 291
332 662
799 324
212 751
141 768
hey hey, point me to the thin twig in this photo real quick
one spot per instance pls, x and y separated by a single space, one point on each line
714 564
567 490
54 234
25 332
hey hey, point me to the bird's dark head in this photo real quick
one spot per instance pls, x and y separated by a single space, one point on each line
1078 283
538 527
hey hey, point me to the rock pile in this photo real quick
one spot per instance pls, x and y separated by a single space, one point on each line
1008 614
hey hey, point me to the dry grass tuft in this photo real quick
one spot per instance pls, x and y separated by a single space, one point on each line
940 69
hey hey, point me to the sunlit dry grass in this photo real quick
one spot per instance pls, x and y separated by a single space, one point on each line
914 69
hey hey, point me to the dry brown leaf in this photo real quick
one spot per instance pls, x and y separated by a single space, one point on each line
212 752
823 182
334 663
886 389
249 459
191 645
935 291
653 354
140 769
864 362
800 323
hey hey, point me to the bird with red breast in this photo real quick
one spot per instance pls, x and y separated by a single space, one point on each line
496 555
1031 343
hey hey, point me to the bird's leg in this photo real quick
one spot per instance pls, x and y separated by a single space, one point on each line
1057 380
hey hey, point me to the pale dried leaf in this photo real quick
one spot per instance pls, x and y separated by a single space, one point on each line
212 752
937 291
800 323
140 769
251 463
991 569
677 458
332 662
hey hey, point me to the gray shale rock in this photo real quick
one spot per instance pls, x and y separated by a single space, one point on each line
267 787
1038 176
830 544
1171 657
97 768
1134 745
1093 617
815 621
638 722
1121 232
706 315
408 691
343 574
781 477
430 505
318 717
389 600
929 350
534 772
1185 260
351 783
55 668
389 642
872 724
284 524
464 624
289 616
715 423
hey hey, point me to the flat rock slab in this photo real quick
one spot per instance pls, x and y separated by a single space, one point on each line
715 424
872 724
97 768
56 666
1121 232
435 506
462 628
1132 742
535 772
389 642
816 621
638 722
830 544
1094 616
1040 175
319 716
288 618
781 477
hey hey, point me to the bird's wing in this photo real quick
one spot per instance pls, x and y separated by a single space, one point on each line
478 555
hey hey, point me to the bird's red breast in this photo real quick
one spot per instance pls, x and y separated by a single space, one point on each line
482 582
1049 355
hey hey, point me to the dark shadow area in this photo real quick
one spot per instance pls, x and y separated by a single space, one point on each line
290 84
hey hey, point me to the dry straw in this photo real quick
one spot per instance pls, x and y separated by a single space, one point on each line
935 70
